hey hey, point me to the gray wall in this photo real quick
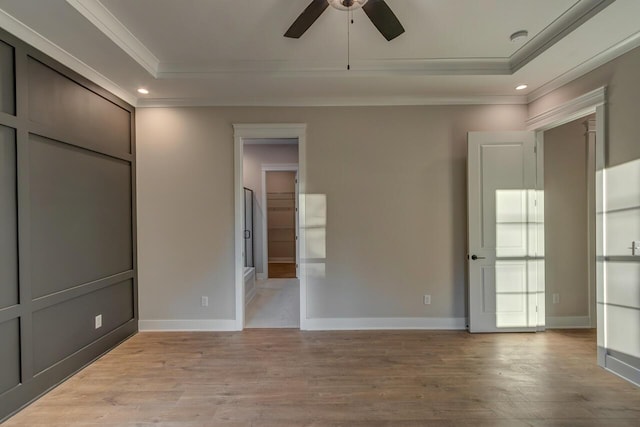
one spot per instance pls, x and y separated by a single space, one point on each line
67 223
394 181
566 226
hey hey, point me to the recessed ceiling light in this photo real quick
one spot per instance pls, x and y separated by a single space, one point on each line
143 91
520 87
519 36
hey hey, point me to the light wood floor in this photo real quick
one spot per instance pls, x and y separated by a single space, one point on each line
292 378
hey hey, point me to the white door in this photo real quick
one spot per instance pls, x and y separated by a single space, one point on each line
503 263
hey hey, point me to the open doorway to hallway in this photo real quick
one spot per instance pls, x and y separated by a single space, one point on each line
272 286
569 207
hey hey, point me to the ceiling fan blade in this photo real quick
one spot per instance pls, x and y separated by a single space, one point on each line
307 18
383 18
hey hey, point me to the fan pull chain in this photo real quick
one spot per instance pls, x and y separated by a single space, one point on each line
349 21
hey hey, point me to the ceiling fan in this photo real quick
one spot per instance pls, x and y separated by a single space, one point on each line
377 10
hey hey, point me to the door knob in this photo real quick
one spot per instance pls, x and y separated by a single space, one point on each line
475 257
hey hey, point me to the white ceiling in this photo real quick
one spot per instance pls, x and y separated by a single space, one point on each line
230 52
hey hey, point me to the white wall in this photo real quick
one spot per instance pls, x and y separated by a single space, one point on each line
566 225
386 190
256 155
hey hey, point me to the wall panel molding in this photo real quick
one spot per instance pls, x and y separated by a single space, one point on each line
74 180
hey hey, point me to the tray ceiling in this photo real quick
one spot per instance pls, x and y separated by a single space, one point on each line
229 52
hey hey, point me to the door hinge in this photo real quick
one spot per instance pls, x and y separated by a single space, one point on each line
535 149
536 308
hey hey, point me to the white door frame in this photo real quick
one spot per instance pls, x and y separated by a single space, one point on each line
266 130
589 103
289 167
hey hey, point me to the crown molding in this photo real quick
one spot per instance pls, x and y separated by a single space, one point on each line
38 41
331 102
110 26
590 64
571 19
564 113
421 67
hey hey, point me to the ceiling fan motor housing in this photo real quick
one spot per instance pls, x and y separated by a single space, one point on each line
347 4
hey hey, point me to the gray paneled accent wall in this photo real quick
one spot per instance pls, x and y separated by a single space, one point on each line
67 223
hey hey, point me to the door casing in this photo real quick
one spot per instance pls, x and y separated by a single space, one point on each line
267 131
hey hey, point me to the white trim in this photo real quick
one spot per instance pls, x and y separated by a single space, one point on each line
359 68
600 199
568 322
590 168
38 41
333 102
187 325
262 276
110 26
589 103
367 323
590 64
266 130
540 236
622 369
564 113
275 167
572 18
269 130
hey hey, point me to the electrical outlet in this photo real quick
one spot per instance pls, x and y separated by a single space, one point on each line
98 321
556 298
427 299
204 301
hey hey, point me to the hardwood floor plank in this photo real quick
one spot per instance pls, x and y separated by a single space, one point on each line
281 377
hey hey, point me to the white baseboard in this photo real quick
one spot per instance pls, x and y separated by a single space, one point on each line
261 276
365 323
187 325
568 322
622 369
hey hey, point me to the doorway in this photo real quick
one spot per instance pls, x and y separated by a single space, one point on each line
569 227
280 233
506 222
268 162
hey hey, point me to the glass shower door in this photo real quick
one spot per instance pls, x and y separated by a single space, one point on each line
248 228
